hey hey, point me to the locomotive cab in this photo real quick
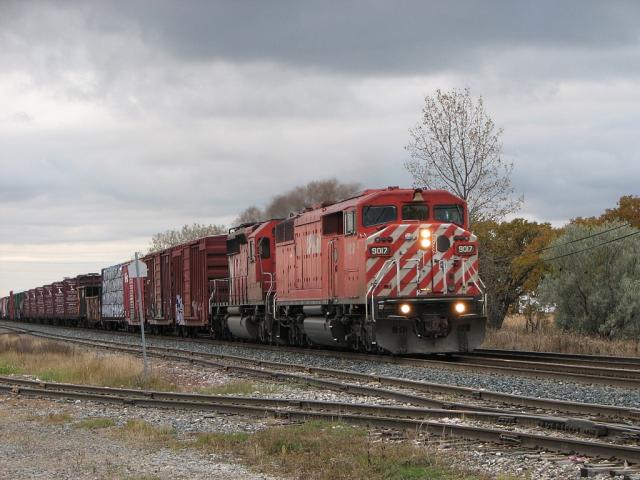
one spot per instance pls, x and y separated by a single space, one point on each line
391 269
424 294
240 304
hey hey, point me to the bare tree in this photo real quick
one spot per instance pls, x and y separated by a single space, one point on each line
171 238
319 191
457 147
298 198
249 215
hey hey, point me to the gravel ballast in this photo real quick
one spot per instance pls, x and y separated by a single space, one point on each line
551 389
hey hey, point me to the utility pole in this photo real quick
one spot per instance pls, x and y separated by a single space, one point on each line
141 314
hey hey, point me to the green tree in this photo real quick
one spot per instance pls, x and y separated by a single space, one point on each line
595 279
510 262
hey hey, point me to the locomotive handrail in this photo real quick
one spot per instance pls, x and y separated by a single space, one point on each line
275 312
483 290
270 288
417 260
383 271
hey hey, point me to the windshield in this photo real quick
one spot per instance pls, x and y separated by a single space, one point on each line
378 214
449 214
415 212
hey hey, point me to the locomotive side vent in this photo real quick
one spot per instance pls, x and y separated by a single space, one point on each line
284 231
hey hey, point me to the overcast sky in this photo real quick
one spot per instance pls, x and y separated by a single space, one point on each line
122 119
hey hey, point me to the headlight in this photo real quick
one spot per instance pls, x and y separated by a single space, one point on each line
405 308
425 233
425 243
460 307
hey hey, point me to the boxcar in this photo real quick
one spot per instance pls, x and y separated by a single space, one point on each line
112 306
180 282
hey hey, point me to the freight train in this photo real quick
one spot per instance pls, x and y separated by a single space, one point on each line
389 270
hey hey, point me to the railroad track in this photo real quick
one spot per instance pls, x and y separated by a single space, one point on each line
575 368
317 376
391 417
573 358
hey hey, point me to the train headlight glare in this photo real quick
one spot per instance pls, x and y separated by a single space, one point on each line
425 233
405 308
425 243
460 307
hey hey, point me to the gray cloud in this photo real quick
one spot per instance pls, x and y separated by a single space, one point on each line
121 119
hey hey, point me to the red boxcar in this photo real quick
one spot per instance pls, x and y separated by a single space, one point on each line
57 291
85 303
180 280
158 300
29 303
39 313
4 307
49 310
130 296
11 309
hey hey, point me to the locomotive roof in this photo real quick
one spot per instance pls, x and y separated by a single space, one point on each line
366 196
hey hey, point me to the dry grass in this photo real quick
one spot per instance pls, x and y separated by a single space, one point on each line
95 423
140 432
322 451
548 338
57 418
311 451
57 362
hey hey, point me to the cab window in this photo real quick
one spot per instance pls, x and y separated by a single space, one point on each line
376 215
350 222
415 212
449 214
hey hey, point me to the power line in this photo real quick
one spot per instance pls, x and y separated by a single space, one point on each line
593 246
582 238
551 247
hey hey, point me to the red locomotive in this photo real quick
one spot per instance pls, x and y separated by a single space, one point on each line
389 270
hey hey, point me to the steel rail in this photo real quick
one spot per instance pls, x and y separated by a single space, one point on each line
521 439
607 372
584 359
193 400
218 361
617 377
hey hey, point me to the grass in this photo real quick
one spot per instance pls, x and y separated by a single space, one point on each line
95 423
57 362
141 432
320 450
53 361
314 450
549 338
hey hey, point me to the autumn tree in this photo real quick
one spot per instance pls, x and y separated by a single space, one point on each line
456 146
510 262
171 238
296 199
627 210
